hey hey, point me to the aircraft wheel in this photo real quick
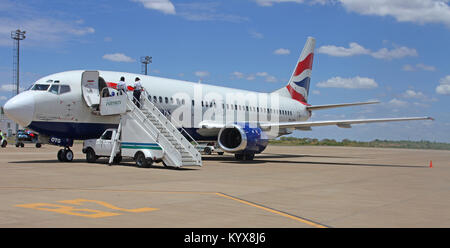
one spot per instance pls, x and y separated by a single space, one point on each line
22 145
4 143
68 156
61 155
239 156
249 156
207 151
38 145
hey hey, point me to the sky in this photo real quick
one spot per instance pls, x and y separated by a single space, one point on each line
393 51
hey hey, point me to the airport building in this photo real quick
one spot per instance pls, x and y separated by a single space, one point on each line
7 125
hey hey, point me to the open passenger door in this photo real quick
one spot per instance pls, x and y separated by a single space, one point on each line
89 87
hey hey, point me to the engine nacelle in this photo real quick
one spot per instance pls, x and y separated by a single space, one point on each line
241 138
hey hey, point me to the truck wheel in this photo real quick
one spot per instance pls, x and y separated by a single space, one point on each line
141 161
4 143
22 144
90 156
117 159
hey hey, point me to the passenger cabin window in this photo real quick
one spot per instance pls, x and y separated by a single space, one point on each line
41 87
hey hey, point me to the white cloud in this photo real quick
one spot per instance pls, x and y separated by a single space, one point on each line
426 67
282 51
349 83
356 49
268 3
395 53
408 68
118 57
250 77
444 86
238 74
271 79
262 74
10 88
42 31
416 11
206 11
398 103
413 94
164 6
201 74
256 35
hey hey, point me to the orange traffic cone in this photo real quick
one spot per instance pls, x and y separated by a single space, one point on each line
431 164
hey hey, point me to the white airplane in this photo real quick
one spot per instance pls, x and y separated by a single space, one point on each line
62 108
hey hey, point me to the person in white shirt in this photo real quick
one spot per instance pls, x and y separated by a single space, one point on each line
137 92
121 86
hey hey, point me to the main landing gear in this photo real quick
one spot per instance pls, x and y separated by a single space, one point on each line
65 155
244 156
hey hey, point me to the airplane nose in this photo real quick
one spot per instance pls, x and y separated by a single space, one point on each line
20 108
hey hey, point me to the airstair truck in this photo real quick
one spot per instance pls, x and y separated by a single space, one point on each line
143 134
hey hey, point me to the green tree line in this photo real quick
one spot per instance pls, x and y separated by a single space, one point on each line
374 143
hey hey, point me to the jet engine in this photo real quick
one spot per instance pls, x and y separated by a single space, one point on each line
242 138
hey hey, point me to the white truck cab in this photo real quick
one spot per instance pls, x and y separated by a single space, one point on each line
143 153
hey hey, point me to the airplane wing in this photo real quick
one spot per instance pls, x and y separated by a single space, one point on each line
306 125
328 106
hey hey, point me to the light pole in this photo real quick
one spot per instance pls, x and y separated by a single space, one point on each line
17 36
145 61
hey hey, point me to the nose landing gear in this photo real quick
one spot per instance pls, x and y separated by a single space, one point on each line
65 155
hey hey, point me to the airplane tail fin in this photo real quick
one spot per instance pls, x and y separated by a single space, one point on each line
298 86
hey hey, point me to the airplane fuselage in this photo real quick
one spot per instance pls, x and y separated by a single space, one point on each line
66 114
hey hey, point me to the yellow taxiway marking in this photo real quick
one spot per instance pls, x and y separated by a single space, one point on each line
100 214
303 220
83 212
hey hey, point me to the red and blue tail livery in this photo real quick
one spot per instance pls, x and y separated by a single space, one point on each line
298 86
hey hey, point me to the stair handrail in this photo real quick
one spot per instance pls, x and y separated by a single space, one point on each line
171 119
169 149
187 145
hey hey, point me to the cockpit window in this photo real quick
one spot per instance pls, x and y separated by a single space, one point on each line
54 89
42 87
64 89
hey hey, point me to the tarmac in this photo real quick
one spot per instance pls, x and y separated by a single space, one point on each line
286 186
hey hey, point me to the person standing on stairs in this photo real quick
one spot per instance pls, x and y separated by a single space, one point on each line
121 86
137 92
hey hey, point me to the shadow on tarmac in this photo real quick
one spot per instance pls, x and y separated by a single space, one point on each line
125 163
263 159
